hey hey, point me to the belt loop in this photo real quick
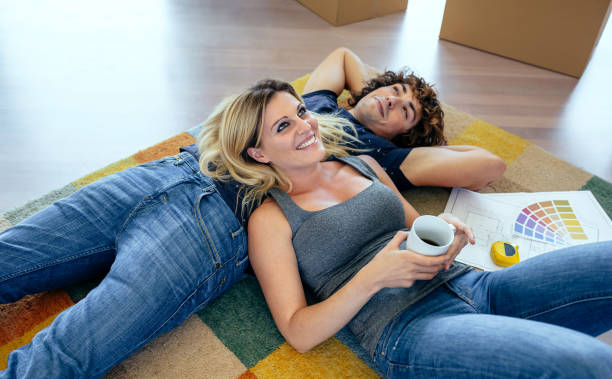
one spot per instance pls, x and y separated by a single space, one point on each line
188 155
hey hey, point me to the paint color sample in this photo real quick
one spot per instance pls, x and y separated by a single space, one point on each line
549 221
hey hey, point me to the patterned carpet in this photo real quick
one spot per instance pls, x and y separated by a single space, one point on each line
235 335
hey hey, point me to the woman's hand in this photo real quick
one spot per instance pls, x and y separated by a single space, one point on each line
463 235
392 267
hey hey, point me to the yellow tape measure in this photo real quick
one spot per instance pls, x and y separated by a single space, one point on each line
504 253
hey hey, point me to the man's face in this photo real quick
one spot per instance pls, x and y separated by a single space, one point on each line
389 111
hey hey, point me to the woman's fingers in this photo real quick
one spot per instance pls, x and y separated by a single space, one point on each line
468 233
426 260
397 239
454 249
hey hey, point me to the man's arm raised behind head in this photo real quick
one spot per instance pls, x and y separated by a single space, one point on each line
339 70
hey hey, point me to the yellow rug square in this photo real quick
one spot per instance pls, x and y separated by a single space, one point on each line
300 83
506 145
331 359
455 121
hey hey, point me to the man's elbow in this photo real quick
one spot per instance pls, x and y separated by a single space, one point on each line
497 167
491 169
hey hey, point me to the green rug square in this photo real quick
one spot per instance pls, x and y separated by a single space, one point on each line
241 320
602 190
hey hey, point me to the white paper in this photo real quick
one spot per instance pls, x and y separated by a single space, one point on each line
492 217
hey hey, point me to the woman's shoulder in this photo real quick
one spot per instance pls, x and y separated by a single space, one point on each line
268 213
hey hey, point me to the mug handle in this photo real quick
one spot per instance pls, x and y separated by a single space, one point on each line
453 229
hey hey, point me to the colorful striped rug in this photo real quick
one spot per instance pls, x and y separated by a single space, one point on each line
235 335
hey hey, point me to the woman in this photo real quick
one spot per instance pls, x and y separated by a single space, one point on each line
167 239
332 228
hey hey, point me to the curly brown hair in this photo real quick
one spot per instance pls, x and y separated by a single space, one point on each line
429 131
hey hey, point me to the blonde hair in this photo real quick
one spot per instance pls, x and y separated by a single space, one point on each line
235 125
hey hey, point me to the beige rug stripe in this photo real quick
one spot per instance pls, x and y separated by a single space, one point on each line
190 351
428 200
4 223
504 184
537 170
455 121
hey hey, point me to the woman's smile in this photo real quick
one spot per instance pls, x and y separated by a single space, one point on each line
307 143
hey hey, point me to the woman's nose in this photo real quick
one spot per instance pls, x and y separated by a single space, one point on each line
304 126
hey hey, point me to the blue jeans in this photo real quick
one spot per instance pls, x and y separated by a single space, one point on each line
534 319
163 236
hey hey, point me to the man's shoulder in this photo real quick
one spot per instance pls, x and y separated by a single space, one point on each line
321 101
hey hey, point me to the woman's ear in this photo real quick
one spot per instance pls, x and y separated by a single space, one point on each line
256 154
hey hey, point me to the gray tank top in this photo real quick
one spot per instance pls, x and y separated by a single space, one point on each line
333 244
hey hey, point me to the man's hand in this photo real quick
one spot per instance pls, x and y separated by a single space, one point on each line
339 70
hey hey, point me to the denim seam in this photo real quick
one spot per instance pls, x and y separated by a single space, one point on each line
582 299
139 207
241 261
60 261
463 294
238 233
205 233
194 169
234 234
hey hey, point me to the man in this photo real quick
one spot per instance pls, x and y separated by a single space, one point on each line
398 116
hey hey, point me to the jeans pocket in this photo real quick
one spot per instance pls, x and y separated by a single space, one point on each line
149 202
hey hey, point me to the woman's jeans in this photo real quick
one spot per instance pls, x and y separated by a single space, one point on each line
532 320
167 241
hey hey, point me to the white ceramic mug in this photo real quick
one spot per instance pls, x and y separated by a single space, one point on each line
430 235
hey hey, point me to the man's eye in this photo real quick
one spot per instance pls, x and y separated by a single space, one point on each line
406 113
396 89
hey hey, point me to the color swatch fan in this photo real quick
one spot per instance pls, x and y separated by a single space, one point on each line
552 221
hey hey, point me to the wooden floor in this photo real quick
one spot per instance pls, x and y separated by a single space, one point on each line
83 84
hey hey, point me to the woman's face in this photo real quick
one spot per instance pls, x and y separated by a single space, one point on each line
290 135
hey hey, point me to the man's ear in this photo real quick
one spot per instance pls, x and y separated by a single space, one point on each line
256 154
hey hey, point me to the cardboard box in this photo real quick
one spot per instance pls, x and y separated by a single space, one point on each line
559 35
342 12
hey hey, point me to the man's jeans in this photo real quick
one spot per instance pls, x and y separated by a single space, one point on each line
167 242
532 320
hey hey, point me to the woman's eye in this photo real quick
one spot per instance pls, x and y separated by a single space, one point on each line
302 111
406 113
282 126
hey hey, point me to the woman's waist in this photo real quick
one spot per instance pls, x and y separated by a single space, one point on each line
334 279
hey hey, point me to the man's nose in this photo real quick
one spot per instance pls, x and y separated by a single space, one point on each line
391 101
